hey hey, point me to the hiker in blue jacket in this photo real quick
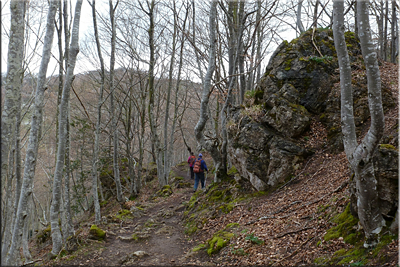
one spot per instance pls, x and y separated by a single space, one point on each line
199 168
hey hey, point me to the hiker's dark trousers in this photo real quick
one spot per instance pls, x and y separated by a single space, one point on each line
191 173
199 177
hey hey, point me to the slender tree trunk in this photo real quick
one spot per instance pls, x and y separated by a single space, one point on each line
113 115
200 126
259 43
11 108
379 20
194 42
394 33
298 16
178 82
68 229
315 16
157 149
58 174
31 153
98 122
385 39
167 154
25 237
360 156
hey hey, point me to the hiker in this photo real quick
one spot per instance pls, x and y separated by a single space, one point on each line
191 160
198 169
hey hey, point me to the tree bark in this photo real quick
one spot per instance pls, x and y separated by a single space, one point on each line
114 128
298 16
209 145
167 154
98 122
394 33
11 109
360 156
31 153
63 119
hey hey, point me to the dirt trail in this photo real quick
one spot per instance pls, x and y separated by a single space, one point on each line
160 232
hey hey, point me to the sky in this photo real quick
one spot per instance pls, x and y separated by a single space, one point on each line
86 26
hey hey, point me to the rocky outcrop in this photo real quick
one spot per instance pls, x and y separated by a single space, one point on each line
260 154
265 134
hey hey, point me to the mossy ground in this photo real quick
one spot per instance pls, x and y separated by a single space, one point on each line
355 253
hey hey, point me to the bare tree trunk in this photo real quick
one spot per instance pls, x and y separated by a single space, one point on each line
171 142
394 33
385 39
315 16
68 229
360 156
11 109
298 16
167 154
31 153
194 42
200 126
98 122
114 127
25 237
157 149
63 119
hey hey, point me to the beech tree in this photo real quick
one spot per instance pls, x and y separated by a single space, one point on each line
62 132
209 144
32 149
10 117
360 155
98 122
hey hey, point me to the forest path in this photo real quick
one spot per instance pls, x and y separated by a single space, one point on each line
160 234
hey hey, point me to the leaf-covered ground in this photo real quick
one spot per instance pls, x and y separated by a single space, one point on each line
284 228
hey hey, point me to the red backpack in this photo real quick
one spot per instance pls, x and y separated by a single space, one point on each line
197 167
192 159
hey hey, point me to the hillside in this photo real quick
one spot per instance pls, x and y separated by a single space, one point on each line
294 225
287 198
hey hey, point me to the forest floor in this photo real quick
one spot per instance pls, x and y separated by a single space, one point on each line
291 222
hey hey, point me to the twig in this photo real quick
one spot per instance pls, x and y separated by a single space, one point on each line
293 232
312 39
27 263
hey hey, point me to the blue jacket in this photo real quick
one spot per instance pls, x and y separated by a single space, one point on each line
203 165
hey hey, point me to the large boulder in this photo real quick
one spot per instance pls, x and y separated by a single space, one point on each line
300 85
260 154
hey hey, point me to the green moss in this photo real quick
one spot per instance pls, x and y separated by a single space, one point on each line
232 170
199 247
288 64
232 225
226 208
135 237
165 191
345 227
97 233
387 146
103 203
383 242
124 214
218 241
44 235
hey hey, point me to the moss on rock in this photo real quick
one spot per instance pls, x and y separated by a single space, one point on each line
346 223
218 241
96 233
